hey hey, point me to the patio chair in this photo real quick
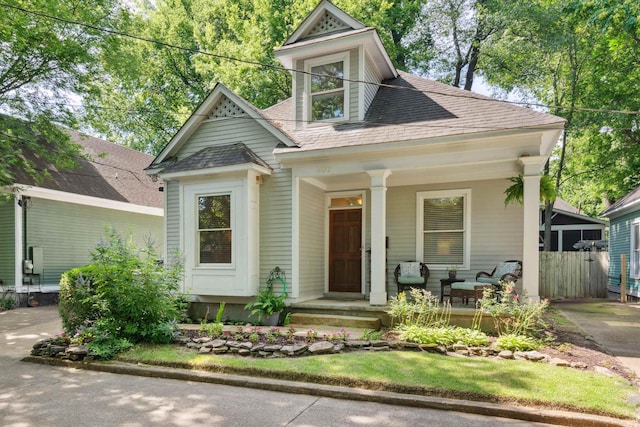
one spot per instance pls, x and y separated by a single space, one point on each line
507 271
411 274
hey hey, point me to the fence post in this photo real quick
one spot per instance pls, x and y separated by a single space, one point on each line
623 278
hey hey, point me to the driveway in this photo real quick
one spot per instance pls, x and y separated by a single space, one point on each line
612 324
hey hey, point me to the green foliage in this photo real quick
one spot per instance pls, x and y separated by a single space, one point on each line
124 295
43 61
7 302
211 329
516 342
422 309
371 335
443 335
510 314
515 192
267 303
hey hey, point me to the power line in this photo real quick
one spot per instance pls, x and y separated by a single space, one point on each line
284 69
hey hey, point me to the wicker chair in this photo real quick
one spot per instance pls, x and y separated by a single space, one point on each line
507 271
411 274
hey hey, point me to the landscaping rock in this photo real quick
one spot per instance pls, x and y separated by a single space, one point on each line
356 343
559 362
534 356
604 371
506 354
321 347
579 365
204 350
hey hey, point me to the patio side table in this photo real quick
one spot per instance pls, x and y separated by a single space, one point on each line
447 282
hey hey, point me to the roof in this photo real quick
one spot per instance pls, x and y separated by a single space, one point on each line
630 202
110 171
217 156
420 109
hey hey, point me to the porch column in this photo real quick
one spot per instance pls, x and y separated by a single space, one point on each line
378 295
530 234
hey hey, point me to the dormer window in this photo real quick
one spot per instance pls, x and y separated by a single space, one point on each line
326 89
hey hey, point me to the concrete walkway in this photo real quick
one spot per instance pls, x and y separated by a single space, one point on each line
612 324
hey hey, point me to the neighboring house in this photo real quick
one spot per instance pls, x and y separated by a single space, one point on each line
571 230
624 239
56 224
363 167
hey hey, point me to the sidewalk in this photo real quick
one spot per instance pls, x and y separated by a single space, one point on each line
612 324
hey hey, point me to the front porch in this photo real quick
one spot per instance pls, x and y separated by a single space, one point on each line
360 314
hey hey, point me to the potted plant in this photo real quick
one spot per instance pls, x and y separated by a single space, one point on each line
452 270
267 304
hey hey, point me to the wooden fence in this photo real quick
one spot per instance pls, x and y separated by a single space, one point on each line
574 274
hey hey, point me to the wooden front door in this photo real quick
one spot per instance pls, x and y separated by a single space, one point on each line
345 242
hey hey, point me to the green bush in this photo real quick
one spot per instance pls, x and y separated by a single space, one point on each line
123 297
516 343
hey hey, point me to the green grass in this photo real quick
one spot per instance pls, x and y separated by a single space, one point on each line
504 381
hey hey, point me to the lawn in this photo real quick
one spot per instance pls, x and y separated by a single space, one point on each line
500 381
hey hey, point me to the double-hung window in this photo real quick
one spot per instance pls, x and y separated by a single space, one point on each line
326 88
214 229
443 228
634 265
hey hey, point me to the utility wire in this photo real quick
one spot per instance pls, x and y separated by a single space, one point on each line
280 68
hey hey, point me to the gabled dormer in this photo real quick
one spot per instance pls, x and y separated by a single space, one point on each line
333 55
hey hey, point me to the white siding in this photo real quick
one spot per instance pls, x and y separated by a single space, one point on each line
370 75
7 240
312 240
275 191
275 224
496 231
68 232
172 214
354 88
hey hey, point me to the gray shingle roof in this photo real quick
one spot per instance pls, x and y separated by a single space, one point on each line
630 198
217 156
110 171
424 109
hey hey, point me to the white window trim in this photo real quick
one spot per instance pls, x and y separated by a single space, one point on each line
420 197
634 270
344 57
232 209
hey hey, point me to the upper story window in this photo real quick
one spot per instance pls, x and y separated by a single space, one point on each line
326 88
634 265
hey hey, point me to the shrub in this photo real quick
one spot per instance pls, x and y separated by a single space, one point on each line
443 335
422 309
510 314
516 343
123 296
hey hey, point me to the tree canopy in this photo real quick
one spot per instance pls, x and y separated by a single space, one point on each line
43 62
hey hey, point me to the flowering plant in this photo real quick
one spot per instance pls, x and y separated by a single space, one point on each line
510 314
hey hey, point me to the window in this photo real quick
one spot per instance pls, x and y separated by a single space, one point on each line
214 229
634 265
443 228
327 88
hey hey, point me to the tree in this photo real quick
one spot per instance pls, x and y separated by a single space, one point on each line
43 61
149 89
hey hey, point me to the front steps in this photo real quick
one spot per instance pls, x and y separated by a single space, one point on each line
359 322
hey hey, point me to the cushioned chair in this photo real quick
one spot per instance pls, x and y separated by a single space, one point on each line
411 274
507 271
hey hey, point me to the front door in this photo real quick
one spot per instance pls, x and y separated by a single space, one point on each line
345 241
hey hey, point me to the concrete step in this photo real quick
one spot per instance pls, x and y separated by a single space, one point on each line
372 323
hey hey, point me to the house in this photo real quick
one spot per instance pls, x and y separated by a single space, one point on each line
49 227
624 239
571 230
363 167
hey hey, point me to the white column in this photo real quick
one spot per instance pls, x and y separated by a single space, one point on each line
531 228
378 295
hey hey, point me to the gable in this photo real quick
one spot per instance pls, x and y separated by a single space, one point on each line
221 104
325 19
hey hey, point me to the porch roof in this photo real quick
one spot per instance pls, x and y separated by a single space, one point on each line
217 156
